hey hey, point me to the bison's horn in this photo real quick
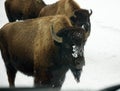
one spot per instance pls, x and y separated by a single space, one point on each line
54 36
87 35
90 12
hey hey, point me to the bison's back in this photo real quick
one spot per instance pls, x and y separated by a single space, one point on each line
17 7
23 9
62 7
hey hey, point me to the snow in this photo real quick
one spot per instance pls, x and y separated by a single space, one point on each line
102 50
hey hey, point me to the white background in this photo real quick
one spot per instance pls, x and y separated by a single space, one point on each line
102 50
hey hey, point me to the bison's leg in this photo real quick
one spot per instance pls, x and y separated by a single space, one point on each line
59 83
11 71
42 79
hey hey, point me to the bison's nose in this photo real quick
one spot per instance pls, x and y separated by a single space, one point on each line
79 62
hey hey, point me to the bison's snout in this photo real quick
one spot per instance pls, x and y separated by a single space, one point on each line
79 62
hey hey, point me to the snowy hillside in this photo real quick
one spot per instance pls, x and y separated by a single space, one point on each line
102 50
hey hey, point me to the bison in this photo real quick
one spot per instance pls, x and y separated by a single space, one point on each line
23 9
45 48
72 10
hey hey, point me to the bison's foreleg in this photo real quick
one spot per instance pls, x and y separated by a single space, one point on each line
42 79
59 83
11 72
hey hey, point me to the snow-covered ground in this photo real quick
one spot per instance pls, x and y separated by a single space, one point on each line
102 50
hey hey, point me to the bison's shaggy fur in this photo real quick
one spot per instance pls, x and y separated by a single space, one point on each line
28 47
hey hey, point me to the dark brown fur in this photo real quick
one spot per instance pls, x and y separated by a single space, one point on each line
23 9
28 47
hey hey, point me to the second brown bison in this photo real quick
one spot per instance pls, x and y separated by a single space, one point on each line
44 48
72 10
23 9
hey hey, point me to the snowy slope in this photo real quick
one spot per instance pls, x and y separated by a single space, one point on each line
102 50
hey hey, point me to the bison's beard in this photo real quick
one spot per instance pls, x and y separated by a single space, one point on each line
76 73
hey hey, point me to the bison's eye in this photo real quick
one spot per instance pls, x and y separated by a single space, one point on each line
67 46
83 26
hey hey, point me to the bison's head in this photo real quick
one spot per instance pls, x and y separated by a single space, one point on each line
81 18
71 43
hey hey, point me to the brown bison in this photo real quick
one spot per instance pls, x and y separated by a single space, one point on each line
23 9
44 48
72 10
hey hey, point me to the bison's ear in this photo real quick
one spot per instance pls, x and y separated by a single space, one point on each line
73 19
